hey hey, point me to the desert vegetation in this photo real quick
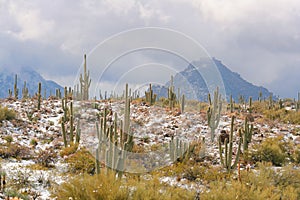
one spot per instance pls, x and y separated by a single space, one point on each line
211 150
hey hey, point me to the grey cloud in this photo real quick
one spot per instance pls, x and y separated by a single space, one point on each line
259 40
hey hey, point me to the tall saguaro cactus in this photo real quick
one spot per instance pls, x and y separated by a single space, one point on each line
16 90
171 94
85 82
150 96
39 95
298 102
25 91
247 137
214 112
226 161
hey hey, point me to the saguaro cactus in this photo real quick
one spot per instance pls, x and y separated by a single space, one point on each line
298 102
25 91
85 82
226 161
16 90
150 96
214 112
171 94
39 95
247 136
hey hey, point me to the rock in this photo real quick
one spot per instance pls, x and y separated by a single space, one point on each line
223 136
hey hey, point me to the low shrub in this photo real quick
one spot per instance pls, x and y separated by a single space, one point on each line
15 151
81 162
7 114
272 150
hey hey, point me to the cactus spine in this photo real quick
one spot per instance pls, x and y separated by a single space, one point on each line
214 112
227 160
85 82
150 96
39 95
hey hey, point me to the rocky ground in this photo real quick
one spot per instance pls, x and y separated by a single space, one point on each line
35 131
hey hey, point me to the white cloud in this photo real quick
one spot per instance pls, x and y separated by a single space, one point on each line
258 39
28 21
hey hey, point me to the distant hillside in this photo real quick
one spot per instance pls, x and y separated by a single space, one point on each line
32 79
190 81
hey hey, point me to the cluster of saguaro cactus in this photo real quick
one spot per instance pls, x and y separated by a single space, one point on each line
171 94
25 93
150 96
214 112
226 161
271 103
247 134
177 148
114 135
68 118
58 93
16 90
9 93
85 82
39 96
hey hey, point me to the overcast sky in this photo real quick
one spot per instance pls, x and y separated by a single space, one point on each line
258 39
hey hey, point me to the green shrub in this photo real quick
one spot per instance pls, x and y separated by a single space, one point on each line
33 142
81 162
271 150
6 113
95 187
106 186
8 139
264 183
15 151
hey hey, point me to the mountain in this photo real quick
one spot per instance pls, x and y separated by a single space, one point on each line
191 83
32 78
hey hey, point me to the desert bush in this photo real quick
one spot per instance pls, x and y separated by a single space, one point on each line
6 113
8 139
106 186
15 194
271 150
153 189
296 155
97 187
14 151
33 142
69 150
81 162
265 183
45 158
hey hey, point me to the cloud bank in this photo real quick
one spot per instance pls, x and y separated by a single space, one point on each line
258 39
